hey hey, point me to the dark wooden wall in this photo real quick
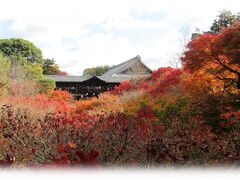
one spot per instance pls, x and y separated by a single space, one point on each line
85 89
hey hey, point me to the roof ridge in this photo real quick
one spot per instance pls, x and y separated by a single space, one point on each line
133 59
136 58
49 75
145 65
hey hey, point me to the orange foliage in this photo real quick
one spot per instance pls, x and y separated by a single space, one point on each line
217 55
61 95
38 103
24 88
83 105
105 103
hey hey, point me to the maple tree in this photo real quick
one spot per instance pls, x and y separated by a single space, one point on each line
216 54
167 123
124 86
61 95
187 116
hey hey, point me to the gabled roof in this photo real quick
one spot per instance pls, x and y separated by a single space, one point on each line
113 75
124 66
114 79
61 78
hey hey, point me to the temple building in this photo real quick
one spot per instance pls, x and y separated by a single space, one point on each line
88 86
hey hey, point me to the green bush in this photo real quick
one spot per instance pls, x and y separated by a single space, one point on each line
46 85
4 68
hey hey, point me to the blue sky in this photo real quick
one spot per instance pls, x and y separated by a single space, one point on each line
80 34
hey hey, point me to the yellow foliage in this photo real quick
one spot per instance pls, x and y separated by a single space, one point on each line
108 103
134 103
105 103
87 104
72 145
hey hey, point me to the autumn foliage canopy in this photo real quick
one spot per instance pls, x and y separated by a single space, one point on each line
187 116
217 55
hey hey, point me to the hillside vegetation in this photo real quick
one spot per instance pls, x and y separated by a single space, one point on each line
187 116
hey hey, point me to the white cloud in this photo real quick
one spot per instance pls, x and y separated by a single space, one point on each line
62 28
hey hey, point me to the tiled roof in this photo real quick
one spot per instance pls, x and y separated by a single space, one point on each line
114 79
113 75
124 66
60 78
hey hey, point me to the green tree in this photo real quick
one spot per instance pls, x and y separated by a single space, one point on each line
4 68
97 71
224 20
51 68
23 77
46 85
23 48
23 70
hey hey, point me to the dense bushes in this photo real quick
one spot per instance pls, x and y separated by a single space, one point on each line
170 126
46 85
174 117
4 67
